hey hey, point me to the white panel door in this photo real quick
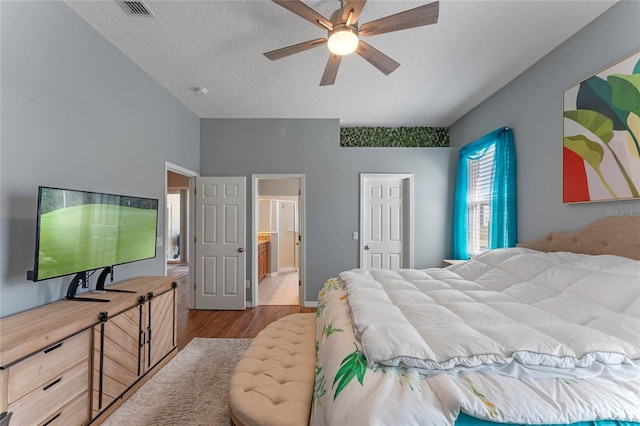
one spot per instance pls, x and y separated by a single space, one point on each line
385 234
220 243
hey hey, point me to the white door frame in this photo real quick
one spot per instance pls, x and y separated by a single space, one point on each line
254 235
408 200
188 245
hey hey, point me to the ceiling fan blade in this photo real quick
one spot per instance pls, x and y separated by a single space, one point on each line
296 48
331 70
357 6
304 11
376 58
423 15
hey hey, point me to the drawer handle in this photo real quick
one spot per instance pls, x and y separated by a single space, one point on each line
52 384
52 419
53 348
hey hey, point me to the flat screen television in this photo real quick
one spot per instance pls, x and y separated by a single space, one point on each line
80 231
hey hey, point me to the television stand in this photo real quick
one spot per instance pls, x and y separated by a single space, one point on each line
80 279
103 277
61 340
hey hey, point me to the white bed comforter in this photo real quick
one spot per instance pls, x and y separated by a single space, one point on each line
586 292
577 314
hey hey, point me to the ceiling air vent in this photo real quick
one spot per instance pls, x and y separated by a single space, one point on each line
135 8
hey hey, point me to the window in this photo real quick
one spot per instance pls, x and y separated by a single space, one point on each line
484 211
478 202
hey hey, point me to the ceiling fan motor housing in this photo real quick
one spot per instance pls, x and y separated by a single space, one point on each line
342 38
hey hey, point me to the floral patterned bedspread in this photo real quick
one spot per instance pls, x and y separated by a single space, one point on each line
347 392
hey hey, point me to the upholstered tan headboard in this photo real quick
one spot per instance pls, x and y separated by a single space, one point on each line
619 235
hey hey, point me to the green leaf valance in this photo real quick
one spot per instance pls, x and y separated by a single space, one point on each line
394 137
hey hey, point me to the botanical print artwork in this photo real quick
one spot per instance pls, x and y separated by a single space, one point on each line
601 145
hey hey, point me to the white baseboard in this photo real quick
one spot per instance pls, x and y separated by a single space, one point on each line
308 304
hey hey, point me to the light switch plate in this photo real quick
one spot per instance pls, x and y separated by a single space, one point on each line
354 235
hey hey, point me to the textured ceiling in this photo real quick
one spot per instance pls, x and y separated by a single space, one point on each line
446 69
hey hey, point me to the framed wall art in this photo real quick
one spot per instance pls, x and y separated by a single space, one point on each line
601 135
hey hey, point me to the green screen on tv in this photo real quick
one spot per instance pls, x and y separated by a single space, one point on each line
82 231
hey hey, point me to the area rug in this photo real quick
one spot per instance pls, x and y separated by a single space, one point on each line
192 389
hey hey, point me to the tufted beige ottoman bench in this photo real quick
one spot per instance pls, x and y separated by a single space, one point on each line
272 384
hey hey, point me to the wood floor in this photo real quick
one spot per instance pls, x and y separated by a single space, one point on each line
229 324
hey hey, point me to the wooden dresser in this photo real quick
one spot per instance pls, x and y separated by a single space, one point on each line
73 363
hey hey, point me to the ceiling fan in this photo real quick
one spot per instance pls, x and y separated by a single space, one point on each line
344 34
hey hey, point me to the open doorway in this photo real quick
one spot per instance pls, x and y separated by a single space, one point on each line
177 220
278 212
179 183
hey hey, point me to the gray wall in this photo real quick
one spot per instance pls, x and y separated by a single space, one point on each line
532 106
332 178
76 113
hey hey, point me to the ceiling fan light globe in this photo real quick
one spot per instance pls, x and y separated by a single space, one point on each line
343 42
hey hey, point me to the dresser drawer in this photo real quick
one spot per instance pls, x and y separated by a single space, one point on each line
37 406
42 368
74 413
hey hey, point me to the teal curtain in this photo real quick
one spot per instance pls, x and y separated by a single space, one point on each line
503 224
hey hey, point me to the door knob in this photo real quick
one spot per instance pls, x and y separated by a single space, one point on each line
241 249
366 247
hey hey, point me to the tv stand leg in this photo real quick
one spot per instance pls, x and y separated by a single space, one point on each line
80 279
103 277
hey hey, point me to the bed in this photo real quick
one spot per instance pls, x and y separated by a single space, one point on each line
544 333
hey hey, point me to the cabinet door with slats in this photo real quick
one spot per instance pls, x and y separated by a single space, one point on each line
117 357
162 331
